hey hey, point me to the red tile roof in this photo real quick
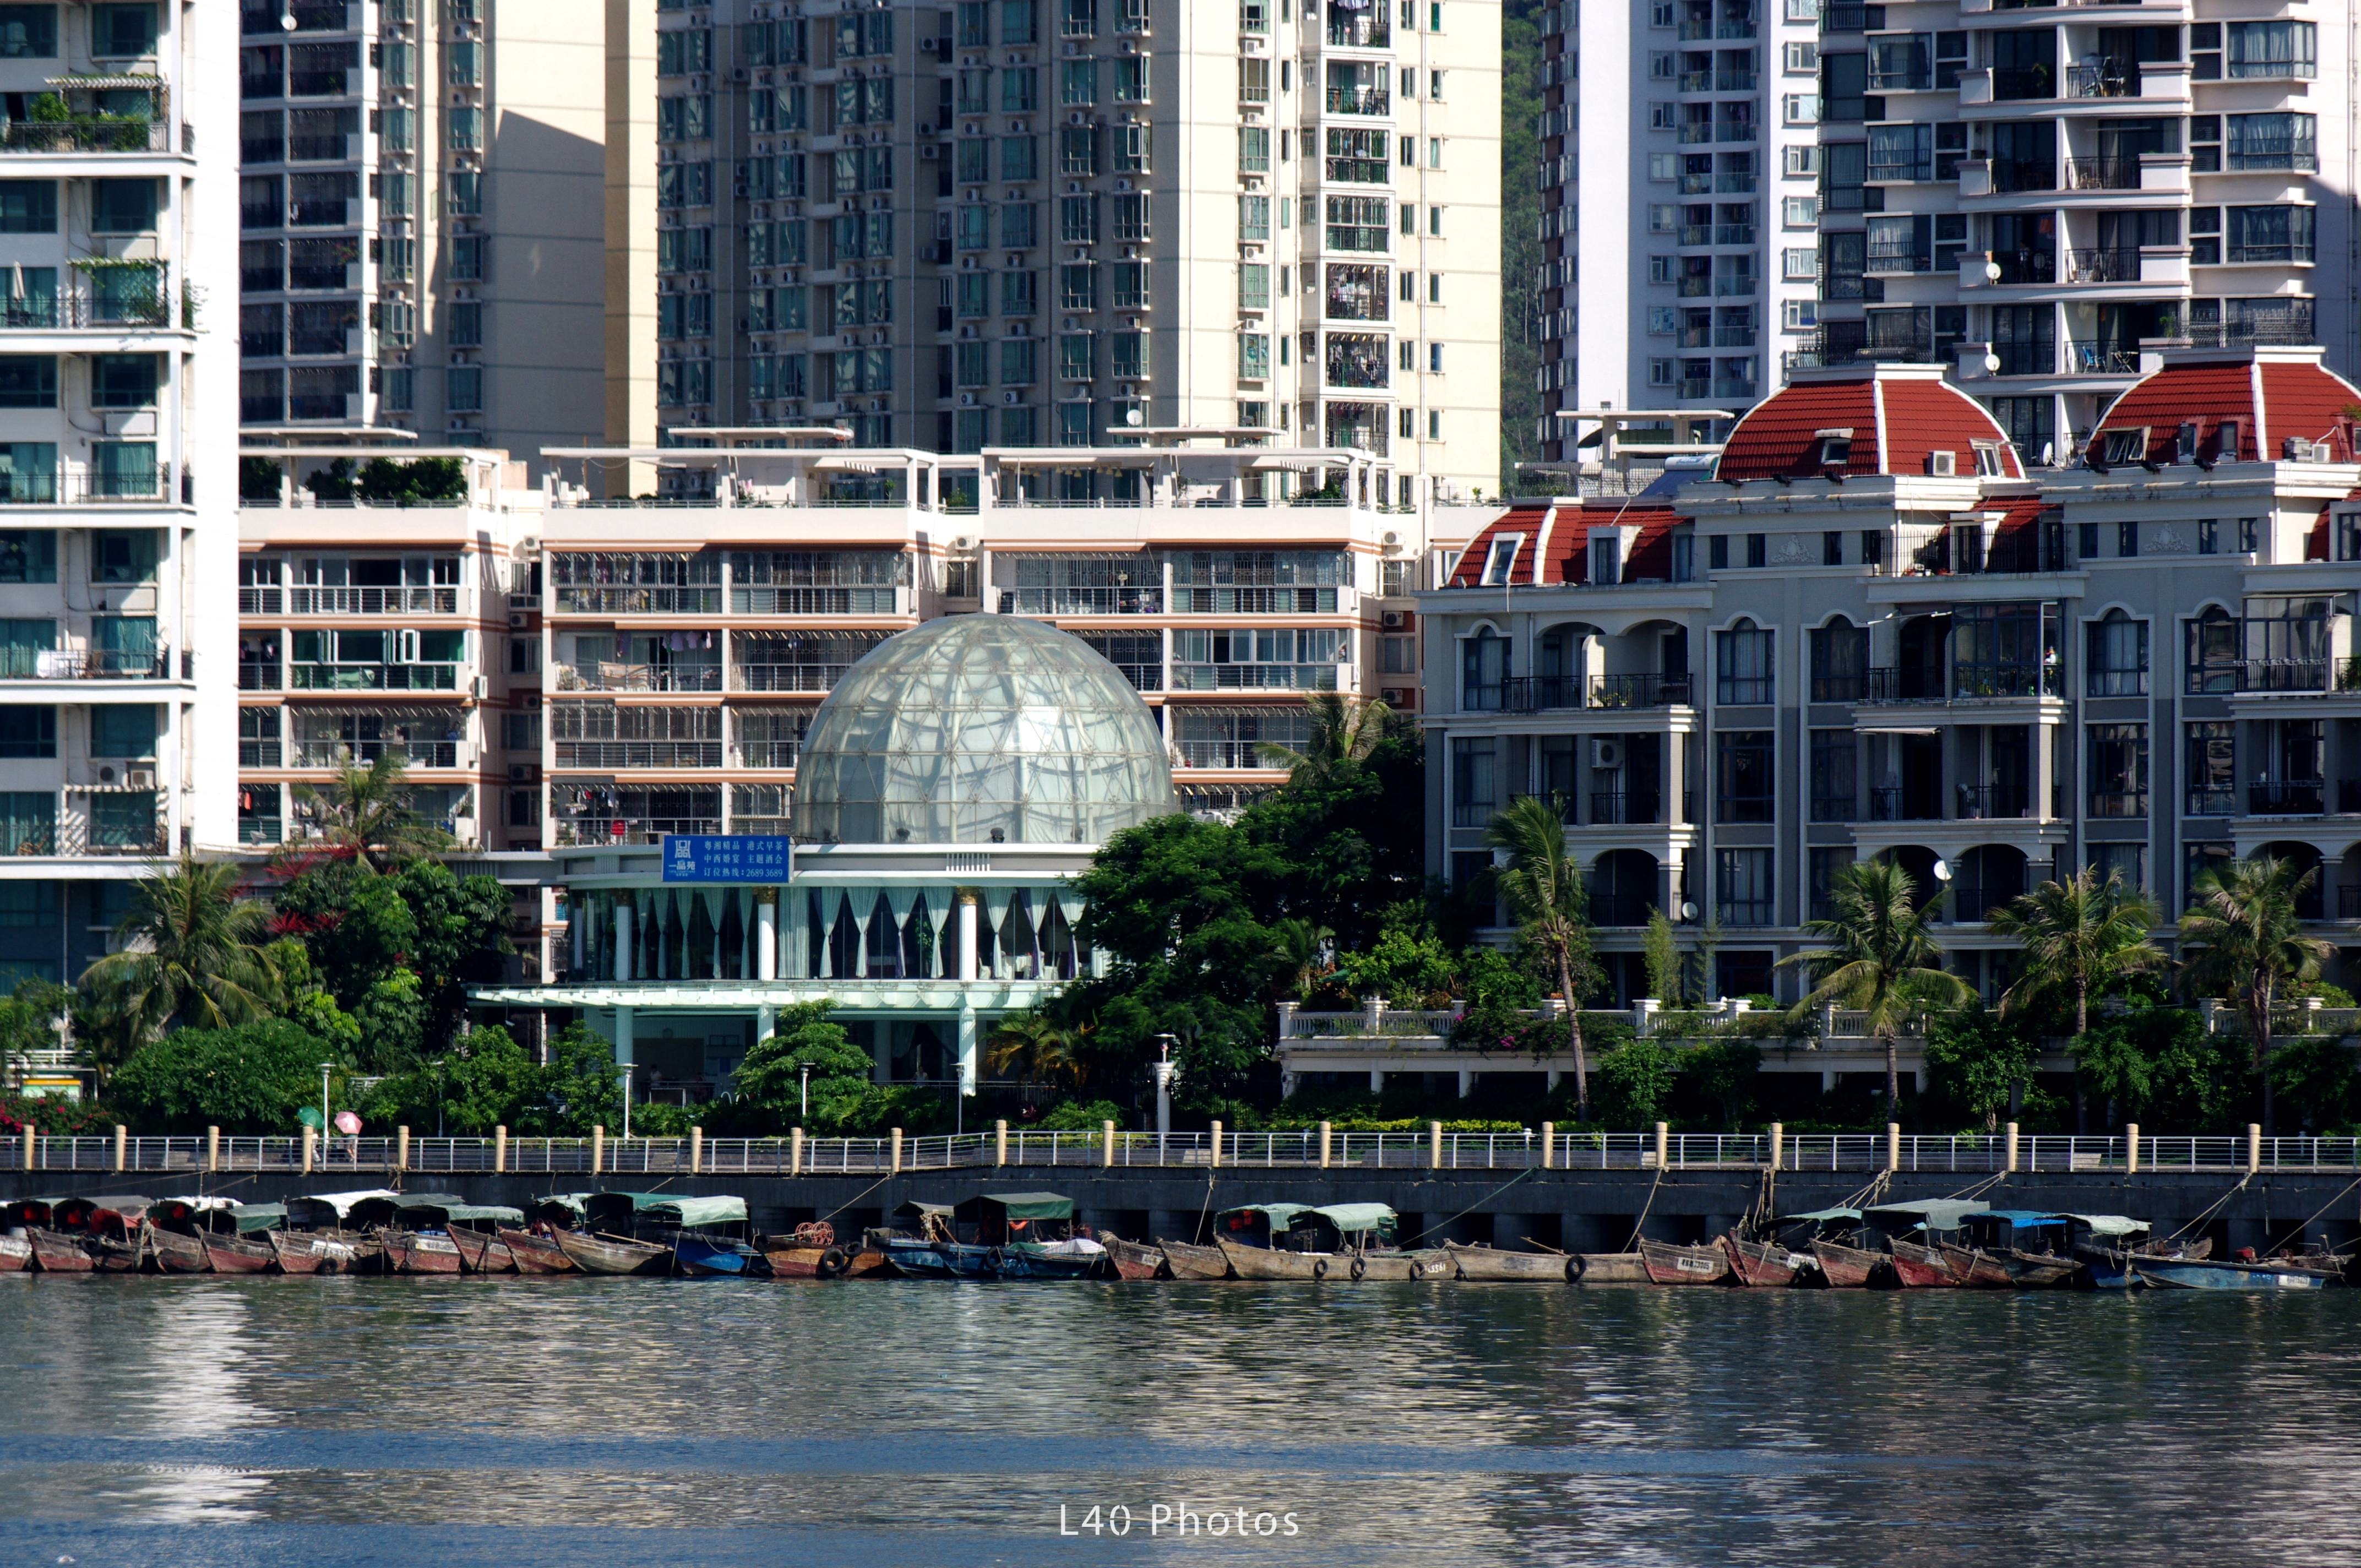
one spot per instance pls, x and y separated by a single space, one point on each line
1557 543
1531 522
2275 395
1897 415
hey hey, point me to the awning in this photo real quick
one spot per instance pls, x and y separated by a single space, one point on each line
2021 1219
561 1207
2108 1224
683 1210
253 1217
1278 1215
1818 1217
1357 1219
332 1208
1019 1206
1934 1213
912 1208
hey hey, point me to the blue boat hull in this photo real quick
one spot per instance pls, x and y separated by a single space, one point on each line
699 1255
2177 1275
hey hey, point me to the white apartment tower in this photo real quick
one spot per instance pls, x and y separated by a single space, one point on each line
421 218
117 542
2025 194
1028 222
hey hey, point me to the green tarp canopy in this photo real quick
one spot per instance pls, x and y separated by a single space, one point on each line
2108 1224
483 1213
561 1206
1931 1213
1278 1216
1819 1216
252 1217
430 1209
1357 1219
614 1209
915 1209
1018 1206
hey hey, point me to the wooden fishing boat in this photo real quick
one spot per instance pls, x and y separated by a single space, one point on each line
113 1255
420 1252
2039 1270
1976 1268
1189 1261
1921 1268
482 1251
866 1263
301 1252
1423 1263
713 1258
16 1255
600 1253
1073 1257
176 1254
535 1254
1134 1260
1846 1268
1764 1264
238 1255
1611 1268
2271 1274
808 1252
1274 1263
1670 1265
1495 1262
57 1252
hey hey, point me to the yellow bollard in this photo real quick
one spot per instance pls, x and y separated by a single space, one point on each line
1664 1144
213 1148
1000 1143
697 1151
1107 1130
2254 1147
2011 1166
32 1137
1324 1146
500 1151
1893 1146
311 1146
1549 1146
1434 1146
1778 1141
1217 1143
597 1149
122 1146
2131 1149
896 1161
796 1151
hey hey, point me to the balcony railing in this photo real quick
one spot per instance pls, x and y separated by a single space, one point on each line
1894 802
2015 174
2213 802
1988 801
1541 694
361 753
1841 688
2119 803
1640 691
2091 358
373 677
593 599
748 599
2020 267
100 133
1247 754
83 664
257 676
80 487
2102 174
1976 682
789 677
606 675
1745 910
2095 266
2285 798
1359 101
373 601
1625 807
2107 79
631 829
2283 674
624 755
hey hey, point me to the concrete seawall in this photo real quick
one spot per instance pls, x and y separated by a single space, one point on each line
1574 1210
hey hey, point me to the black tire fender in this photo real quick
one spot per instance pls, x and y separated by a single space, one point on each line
1360 1266
1318 1268
832 1262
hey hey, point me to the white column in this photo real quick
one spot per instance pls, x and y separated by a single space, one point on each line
967 925
766 1023
767 941
625 1035
623 922
967 1047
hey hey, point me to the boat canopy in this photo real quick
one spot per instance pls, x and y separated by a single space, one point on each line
1278 1216
318 1209
561 1207
1018 1206
254 1217
1818 1217
679 1210
917 1209
2108 1224
1357 1219
1928 1214
2019 1219
427 1210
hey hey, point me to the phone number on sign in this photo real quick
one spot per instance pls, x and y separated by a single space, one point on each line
1158 1520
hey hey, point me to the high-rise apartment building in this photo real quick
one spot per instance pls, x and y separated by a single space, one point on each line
420 216
1029 223
2023 195
116 473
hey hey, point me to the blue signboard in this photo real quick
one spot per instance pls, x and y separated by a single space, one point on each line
727 857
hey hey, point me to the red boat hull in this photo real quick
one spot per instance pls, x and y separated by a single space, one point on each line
227 1259
411 1253
1978 1270
1669 1264
1764 1264
295 1255
482 1252
55 1252
1922 1268
16 1255
1846 1268
536 1255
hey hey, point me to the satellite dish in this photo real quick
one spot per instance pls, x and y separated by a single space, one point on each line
1688 911
1943 870
286 21
1992 364
1133 416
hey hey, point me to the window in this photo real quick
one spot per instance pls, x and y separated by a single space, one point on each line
29 381
122 206
1832 548
29 731
2127 862
29 206
464 389
123 31
1744 787
123 731
2210 757
1835 775
2269 234
125 556
124 381
1473 790
1758 554
29 32
1742 887
1484 658
1717 547
2118 770
1742 663
2126 539
2117 655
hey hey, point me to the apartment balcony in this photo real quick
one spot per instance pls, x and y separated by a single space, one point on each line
365 601
610 756
1980 802
1253 677
364 753
606 831
1625 808
1545 694
751 599
372 677
1121 600
2286 797
94 133
2095 266
2088 358
787 678
612 676
1358 101
140 309
601 599
82 487
17 664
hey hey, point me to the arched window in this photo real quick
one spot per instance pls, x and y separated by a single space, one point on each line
1743 666
1840 662
1484 672
2213 662
2117 655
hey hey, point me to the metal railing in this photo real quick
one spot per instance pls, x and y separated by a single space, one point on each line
2091 265
100 133
789 677
2286 797
607 675
1298 1147
373 601
606 829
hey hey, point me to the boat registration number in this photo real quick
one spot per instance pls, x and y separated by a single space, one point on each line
1694 1265
2295 1281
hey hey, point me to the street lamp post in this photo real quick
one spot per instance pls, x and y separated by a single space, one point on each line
806 1101
1164 1067
623 1071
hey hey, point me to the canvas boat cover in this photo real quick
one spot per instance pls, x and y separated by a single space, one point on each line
1819 1216
1278 1215
338 1204
1357 1219
1928 1214
1020 1205
1079 1246
2021 1219
2108 1224
254 1217
683 1209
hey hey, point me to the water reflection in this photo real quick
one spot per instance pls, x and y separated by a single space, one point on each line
914 1423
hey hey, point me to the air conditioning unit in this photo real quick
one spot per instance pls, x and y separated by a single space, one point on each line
1943 464
523 772
516 620
1606 752
1397 697
964 542
967 400
1400 619
106 775
928 152
140 778
1010 398
967 330
740 74
926 46
926 128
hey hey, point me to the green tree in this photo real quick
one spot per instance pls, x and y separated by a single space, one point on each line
29 1021
1719 1073
2243 939
1662 956
486 1080
403 946
1303 954
579 1089
1407 965
1031 1045
2157 1064
366 816
806 1038
2315 1074
1343 730
1521 245
249 1078
1880 959
2080 938
1981 1061
1636 1080
1541 885
192 953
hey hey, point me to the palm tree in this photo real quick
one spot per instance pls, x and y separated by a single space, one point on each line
1879 958
192 953
2243 939
1343 730
2080 936
1304 949
1030 1043
1541 885
366 814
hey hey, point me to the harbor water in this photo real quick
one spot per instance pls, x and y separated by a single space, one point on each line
520 1422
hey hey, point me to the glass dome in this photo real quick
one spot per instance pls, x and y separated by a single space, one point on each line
981 730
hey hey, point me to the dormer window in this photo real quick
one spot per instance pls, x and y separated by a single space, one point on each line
1835 447
2125 446
2225 441
2184 443
1990 464
1500 561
